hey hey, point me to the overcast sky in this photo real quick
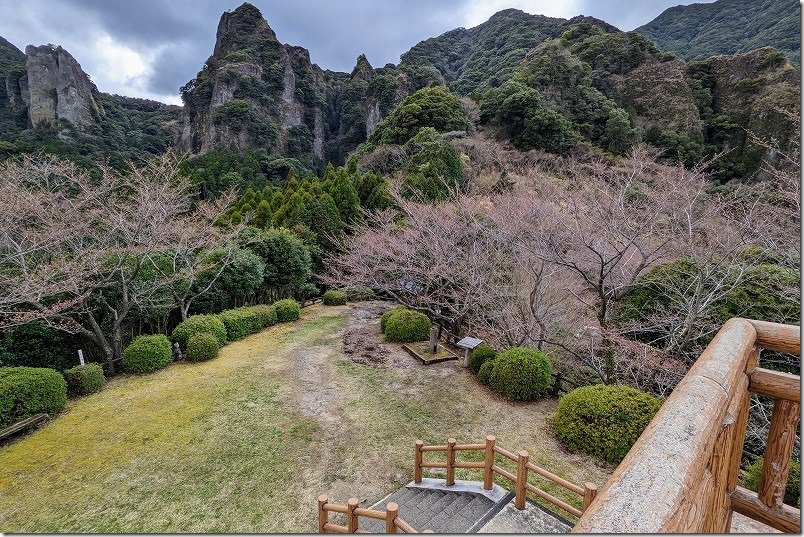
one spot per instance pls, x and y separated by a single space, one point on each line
150 48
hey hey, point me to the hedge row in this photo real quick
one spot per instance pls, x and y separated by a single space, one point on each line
520 374
334 298
25 391
85 379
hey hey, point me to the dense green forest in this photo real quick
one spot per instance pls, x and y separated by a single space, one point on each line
699 31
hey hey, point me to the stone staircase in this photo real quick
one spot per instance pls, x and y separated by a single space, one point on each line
464 508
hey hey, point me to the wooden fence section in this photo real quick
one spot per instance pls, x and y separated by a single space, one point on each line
682 473
393 522
489 467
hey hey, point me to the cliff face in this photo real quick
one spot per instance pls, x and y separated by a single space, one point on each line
55 88
255 92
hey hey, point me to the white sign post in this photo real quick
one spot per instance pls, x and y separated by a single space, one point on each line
81 356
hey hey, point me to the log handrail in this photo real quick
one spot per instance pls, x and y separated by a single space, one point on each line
490 468
393 522
681 475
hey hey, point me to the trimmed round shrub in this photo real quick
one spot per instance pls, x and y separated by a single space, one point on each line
387 315
792 493
406 326
287 310
238 322
203 346
521 374
146 354
602 420
197 324
265 316
480 355
485 371
358 293
334 298
85 379
25 391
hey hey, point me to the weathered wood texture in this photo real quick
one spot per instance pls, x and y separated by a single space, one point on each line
22 425
682 473
667 482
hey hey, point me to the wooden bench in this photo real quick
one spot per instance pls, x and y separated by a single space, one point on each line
22 424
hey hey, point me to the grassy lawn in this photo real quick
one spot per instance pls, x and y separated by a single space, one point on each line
245 442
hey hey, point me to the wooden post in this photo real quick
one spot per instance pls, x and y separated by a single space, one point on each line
391 511
488 473
466 354
417 471
781 437
351 518
589 493
450 462
323 516
433 340
521 478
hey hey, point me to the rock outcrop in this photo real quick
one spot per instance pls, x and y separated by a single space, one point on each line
56 88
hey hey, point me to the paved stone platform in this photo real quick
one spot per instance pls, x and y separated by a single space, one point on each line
533 519
439 510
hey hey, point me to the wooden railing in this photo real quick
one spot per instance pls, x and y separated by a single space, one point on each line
489 467
682 473
393 522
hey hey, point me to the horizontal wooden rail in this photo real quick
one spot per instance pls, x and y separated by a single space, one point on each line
404 526
746 502
555 479
505 453
434 448
777 337
508 475
335 508
476 465
467 447
335 528
775 384
370 513
23 424
552 499
433 465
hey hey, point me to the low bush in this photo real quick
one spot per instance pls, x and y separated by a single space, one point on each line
480 355
485 371
25 391
406 326
238 322
197 324
334 298
792 494
521 374
358 293
287 310
604 421
203 346
146 354
265 316
85 379
387 315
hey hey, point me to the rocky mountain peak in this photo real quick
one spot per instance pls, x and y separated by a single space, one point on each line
236 28
363 69
55 87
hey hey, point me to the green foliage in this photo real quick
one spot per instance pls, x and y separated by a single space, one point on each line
480 355
602 420
433 168
485 372
196 324
37 345
85 379
752 475
238 322
261 315
202 346
434 107
358 293
25 391
387 315
334 298
406 326
741 25
146 354
286 259
287 310
520 374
